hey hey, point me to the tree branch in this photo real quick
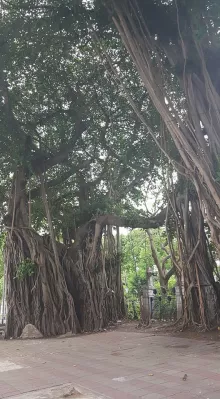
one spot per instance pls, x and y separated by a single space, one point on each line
165 260
36 192
13 125
45 117
154 255
40 165
169 274
136 222
117 221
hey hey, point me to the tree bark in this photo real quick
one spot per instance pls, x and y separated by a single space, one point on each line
69 289
39 298
195 271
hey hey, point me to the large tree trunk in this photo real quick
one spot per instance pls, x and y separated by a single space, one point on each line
55 288
97 269
196 266
36 288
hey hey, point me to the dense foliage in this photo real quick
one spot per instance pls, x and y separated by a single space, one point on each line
137 260
72 151
88 129
64 114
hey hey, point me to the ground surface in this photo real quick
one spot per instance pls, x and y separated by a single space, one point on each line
170 329
119 365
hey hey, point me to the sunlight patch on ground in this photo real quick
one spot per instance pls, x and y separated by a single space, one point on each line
67 391
8 366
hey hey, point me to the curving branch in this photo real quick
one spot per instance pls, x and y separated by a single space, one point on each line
140 222
165 261
40 165
36 192
113 220
169 274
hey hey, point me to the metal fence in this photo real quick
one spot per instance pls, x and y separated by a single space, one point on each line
161 306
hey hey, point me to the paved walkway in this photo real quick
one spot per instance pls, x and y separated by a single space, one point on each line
115 365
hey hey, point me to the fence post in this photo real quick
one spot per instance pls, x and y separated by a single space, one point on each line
3 302
145 311
179 305
147 298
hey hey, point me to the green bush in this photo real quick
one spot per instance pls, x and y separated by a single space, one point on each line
25 269
133 308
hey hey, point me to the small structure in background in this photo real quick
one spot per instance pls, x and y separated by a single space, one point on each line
144 306
3 312
3 307
179 304
164 306
151 273
147 298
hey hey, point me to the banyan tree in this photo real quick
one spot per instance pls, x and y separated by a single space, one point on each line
78 143
70 155
175 48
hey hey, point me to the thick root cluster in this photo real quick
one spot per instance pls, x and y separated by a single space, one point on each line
81 295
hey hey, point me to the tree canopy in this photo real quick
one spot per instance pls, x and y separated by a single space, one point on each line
103 102
74 159
64 115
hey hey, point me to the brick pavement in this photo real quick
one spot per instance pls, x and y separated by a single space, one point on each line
117 365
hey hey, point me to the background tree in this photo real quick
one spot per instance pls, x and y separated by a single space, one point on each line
81 139
138 258
71 152
162 260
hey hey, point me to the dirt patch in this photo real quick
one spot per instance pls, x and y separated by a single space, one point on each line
164 328
73 394
115 353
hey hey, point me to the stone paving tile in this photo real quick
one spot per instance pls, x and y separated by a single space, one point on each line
139 383
166 390
214 395
115 394
9 395
94 361
184 395
153 396
7 390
